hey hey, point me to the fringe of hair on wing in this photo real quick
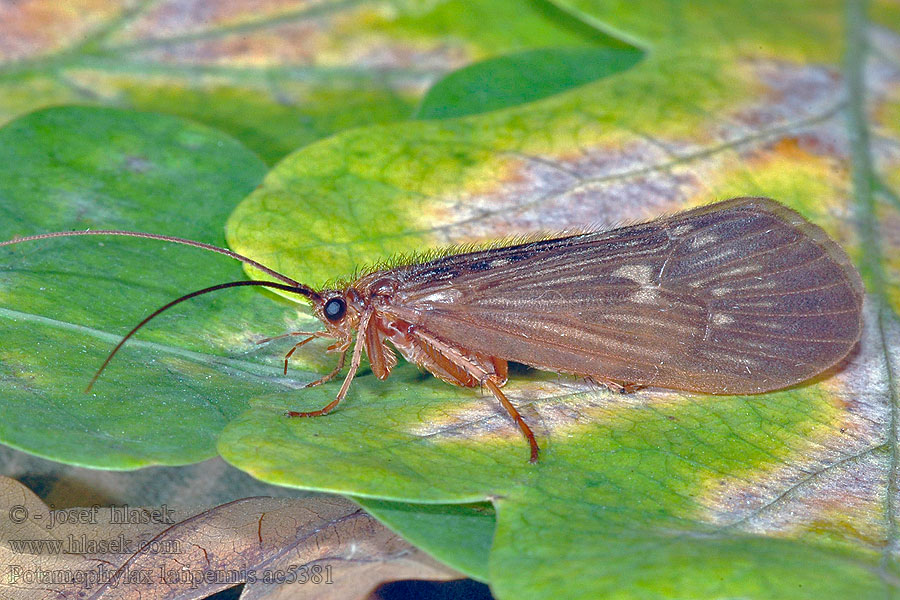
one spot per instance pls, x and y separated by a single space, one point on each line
424 256
402 259
439 252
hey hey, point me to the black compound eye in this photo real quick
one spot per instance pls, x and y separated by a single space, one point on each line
335 309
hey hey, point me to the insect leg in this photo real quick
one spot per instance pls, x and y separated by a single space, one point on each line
284 335
312 335
294 349
450 364
354 366
614 385
523 426
331 375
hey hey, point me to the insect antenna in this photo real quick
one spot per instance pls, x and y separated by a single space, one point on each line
309 292
167 306
287 285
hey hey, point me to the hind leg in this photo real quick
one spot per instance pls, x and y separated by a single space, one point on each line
614 385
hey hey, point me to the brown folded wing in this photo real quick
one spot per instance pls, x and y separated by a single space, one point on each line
743 296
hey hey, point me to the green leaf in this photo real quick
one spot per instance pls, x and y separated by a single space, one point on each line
65 303
521 78
457 534
655 494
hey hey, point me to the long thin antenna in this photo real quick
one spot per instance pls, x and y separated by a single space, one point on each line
155 313
309 292
292 286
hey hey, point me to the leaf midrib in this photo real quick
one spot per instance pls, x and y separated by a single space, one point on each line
256 370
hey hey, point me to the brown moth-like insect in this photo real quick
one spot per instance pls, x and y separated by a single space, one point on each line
739 297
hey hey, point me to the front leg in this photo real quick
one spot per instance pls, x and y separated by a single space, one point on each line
351 373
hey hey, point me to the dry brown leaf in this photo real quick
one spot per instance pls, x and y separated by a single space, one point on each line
323 547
